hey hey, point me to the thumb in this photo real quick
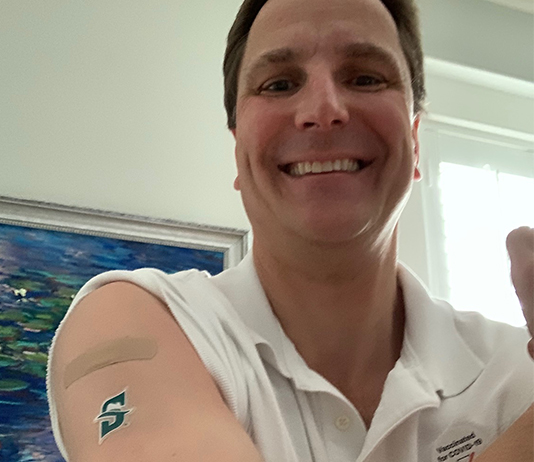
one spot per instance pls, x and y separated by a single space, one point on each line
520 246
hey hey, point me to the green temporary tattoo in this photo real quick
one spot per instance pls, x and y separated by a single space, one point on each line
112 416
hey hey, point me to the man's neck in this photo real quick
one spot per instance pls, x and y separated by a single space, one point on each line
347 325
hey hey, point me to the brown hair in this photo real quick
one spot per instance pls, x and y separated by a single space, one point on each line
404 12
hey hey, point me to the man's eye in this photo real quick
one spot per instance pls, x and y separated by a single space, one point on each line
285 85
277 83
367 80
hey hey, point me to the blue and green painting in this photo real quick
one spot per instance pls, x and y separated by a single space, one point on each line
40 273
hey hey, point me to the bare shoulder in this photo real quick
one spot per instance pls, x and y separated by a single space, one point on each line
115 309
173 405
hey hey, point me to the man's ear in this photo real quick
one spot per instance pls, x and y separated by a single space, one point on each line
415 140
236 182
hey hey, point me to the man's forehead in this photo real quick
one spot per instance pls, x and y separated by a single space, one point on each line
279 14
279 25
347 29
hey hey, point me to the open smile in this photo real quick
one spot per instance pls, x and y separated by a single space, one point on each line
300 169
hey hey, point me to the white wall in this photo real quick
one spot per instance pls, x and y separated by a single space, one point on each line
118 105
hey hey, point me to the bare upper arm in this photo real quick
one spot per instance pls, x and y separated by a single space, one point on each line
515 444
176 409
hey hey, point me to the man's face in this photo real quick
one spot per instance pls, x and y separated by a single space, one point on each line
325 106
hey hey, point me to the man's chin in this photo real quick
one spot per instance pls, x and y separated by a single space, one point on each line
331 232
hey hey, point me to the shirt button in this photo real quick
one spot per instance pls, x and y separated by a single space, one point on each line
342 422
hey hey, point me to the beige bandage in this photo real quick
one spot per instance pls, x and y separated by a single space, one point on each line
106 354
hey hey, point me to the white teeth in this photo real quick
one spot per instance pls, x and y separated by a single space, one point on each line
303 168
328 167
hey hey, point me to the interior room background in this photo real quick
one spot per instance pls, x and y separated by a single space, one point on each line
118 106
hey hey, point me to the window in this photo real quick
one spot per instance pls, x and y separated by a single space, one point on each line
478 187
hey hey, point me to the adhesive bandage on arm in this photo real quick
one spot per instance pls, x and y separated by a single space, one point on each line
108 353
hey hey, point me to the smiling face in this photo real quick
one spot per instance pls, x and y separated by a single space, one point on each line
343 93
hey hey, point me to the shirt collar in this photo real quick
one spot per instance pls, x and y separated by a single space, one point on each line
432 340
432 348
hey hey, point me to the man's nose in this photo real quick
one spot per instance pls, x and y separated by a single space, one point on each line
322 105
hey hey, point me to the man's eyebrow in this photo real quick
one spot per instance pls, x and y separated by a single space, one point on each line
353 50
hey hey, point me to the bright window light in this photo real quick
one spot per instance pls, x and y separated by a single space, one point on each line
480 206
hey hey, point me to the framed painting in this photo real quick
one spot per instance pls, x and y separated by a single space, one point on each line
47 253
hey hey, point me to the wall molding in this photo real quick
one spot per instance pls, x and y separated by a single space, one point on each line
526 6
474 76
489 130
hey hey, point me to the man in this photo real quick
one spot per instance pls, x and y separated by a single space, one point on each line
325 245
327 151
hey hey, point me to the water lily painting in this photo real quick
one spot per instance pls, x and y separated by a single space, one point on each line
46 254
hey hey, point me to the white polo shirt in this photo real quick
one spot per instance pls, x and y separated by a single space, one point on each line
460 382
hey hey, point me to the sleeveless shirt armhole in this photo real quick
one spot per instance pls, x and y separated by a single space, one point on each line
222 357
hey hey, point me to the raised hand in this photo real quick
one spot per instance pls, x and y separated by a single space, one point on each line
520 246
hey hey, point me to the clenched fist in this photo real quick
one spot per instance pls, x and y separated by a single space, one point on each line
520 246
